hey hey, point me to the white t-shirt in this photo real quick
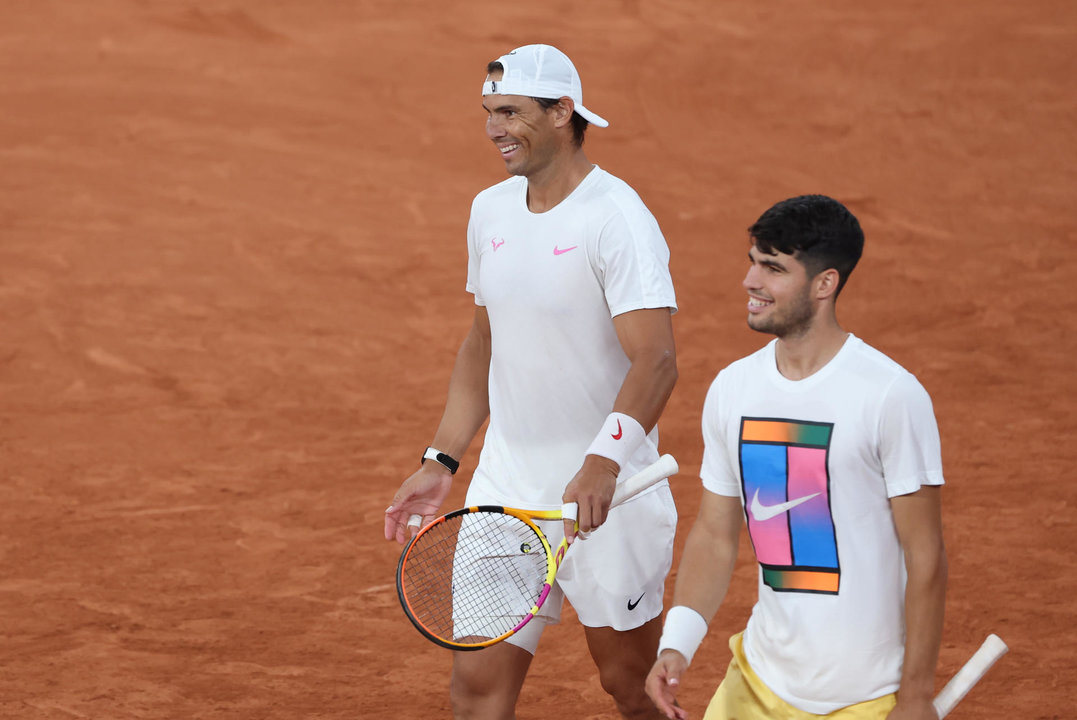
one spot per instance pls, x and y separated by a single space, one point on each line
551 283
815 462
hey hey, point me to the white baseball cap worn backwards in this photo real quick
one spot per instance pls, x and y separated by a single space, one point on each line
541 71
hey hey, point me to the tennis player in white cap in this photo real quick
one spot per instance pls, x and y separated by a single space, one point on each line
571 357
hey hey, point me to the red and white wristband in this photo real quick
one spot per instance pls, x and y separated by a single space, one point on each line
618 439
683 631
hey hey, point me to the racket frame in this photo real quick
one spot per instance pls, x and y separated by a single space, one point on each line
553 562
665 467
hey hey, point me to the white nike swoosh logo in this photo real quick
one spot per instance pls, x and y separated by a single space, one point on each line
763 512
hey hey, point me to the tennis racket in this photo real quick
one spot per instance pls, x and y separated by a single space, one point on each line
977 666
475 576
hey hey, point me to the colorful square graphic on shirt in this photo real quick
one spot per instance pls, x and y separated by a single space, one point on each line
786 487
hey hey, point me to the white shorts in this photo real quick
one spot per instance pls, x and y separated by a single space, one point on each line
616 577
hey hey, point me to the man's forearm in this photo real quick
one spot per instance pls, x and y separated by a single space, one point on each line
925 600
647 339
647 387
710 554
468 403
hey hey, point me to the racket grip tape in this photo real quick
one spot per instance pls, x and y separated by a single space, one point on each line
666 466
977 666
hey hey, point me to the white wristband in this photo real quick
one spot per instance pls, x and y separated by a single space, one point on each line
684 631
618 439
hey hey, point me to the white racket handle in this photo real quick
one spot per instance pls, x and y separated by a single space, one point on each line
653 474
992 649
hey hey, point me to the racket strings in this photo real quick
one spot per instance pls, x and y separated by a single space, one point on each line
474 576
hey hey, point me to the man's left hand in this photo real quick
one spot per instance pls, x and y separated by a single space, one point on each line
592 490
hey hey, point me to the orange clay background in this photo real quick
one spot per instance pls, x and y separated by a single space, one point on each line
232 267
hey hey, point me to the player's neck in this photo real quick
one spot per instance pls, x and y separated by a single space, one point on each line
555 182
801 355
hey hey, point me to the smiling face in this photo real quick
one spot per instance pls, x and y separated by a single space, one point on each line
780 294
522 130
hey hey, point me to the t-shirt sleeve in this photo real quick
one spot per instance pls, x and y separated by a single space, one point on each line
633 260
909 444
718 472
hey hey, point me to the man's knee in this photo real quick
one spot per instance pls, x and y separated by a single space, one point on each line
476 697
488 687
624 680
623 660
621 679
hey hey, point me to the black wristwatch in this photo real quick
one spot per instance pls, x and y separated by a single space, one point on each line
440 457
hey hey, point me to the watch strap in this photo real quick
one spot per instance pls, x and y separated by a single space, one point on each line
439 457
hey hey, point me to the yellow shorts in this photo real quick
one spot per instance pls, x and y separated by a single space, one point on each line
743 696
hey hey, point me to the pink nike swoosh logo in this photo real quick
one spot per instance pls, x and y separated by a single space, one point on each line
556 251
619 433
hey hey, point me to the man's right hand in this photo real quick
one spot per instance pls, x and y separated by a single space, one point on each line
421 494
664 680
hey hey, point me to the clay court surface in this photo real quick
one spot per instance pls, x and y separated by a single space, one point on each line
232 271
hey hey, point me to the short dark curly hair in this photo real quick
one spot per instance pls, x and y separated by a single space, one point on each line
815 229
